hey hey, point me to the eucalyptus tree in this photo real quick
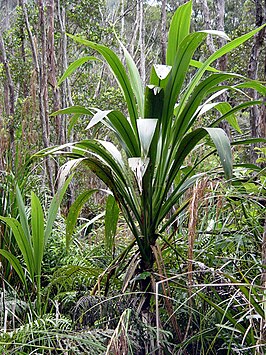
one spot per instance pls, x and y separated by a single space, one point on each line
146 172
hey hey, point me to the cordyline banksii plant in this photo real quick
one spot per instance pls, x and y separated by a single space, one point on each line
159 133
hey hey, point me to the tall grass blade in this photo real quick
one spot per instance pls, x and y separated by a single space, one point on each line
74 212
111 219
23 243
73 66
179 29
15 264
22 214
52 212
37 225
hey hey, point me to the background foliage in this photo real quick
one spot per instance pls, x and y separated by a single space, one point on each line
82 292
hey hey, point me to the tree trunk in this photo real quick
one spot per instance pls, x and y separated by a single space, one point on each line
43 91
66 96
23 54
9 98
52 73
40 65
163 31
122 19
221 64
257 116
135 32
207 26
219 6
142 41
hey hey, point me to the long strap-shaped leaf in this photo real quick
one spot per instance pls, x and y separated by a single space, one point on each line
220 140
15 264
37 224
177 77
109 171
123 196
53 209
73 66
235 109
184 118
93 147
135 80
222 145
121 127
120 75
80 110
124 133
74 212
179 29
174 84
219 53
174 198
188 178
22 241
23 214
110 221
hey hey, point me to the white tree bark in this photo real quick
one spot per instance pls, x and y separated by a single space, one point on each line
163 32
9 98
257 115
40 66
207 24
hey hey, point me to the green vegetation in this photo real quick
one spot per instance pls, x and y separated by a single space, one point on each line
164 254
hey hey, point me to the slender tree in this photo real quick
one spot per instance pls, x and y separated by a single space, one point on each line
52 70
9 97
257 115
207 24
40 67
163 31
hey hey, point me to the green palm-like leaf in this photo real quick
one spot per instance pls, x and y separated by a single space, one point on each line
53 209
15 264
23 243
124 132
73 66
218 54
23 214
120 74
135 80
177 76
37 224
74 212
179 29
187 116
222 145
77 110
111 219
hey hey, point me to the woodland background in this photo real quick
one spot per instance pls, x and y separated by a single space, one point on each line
228 229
